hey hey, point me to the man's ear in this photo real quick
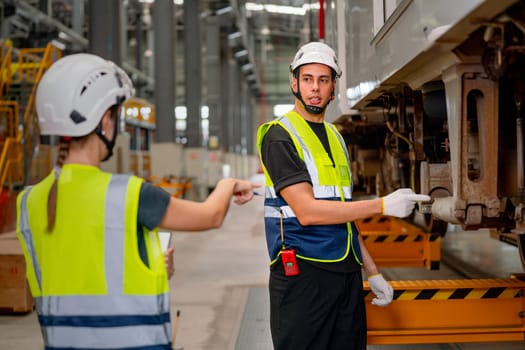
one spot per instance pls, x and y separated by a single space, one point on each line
294 84
333 90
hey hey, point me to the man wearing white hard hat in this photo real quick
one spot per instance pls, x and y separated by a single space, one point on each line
316 253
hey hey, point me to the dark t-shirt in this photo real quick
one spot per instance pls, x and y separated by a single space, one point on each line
153 202
286 168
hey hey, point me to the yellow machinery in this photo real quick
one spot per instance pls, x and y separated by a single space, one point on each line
19 136
449 311
396 243
176 186
436 311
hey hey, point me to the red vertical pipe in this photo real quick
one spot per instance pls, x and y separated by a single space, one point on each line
321 20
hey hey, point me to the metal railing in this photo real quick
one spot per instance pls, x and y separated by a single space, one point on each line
6 51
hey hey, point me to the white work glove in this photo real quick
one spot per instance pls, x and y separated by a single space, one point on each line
400 203
382 289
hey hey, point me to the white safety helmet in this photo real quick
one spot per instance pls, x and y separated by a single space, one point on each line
316 52
76 91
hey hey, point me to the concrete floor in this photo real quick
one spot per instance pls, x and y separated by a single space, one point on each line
214 272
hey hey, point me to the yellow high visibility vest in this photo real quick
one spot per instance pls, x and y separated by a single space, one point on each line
330 181
90 286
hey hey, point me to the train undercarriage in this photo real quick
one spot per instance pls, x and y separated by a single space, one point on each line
457 135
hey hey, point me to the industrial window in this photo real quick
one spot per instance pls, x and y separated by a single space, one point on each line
386 13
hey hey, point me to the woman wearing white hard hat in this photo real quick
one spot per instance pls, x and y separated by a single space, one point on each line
316 253
95 267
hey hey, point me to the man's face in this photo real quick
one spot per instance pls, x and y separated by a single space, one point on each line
315 83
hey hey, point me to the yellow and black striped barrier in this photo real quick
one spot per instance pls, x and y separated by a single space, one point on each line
372 237
396 243
449 311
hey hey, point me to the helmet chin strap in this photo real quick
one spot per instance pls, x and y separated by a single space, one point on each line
110 144
309 108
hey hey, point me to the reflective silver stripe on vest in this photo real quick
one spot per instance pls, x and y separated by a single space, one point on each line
28 237
115 214
308 159
92 305
113 338
269 192
320 192
274 212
